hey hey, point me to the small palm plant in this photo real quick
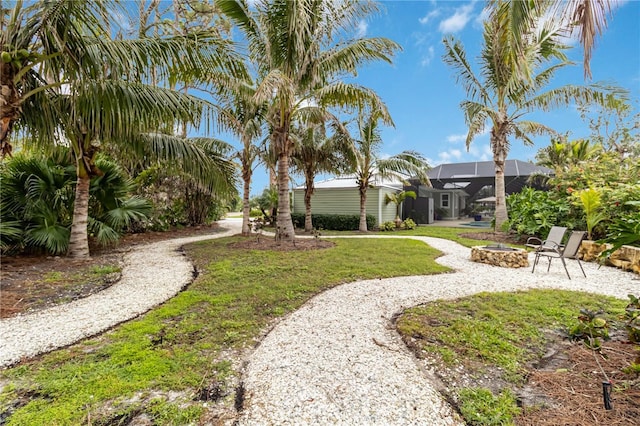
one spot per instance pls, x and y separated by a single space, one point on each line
590 202
397 199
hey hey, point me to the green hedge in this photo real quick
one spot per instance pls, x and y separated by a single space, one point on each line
334 222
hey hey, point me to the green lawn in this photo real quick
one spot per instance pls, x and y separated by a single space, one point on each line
186 344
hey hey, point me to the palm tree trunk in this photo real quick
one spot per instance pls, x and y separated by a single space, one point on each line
499 158
363 209
246 210
308 192
79 240
284 222
9 107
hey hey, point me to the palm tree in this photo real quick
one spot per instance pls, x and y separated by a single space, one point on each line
501 97
397 199
300 52
587 17
369 166
104 100
245 119
561 154
314 152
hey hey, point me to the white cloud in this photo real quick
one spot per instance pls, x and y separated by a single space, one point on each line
428 57
483 16
456 138
452 154
458 20
362 29
426 18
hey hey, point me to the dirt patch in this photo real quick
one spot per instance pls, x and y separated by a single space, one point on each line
564 387
270 243
29 283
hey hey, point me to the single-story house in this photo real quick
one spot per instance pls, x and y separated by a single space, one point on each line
340 195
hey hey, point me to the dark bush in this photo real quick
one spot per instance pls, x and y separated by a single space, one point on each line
334 222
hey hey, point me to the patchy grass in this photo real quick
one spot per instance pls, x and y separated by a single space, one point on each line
496 335
160 363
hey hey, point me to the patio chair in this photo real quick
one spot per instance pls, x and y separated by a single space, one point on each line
569 251
556 233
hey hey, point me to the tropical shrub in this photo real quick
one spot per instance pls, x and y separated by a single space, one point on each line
387 226
534 212
334 222
409 224
36 202
176 200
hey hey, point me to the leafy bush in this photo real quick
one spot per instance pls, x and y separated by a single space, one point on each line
409 224
177 200
37 196
334 222
388 226
534 212
591 327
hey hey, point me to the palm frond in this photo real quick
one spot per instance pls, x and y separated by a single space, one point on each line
456 58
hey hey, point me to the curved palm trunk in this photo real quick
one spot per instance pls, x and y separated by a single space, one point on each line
363 209
79 240
499 146
308 192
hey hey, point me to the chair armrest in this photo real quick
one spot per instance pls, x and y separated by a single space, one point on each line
533 242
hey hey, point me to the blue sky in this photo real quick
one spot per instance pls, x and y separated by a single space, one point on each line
423 98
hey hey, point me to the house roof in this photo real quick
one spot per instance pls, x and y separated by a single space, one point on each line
474 176
350 181
483 169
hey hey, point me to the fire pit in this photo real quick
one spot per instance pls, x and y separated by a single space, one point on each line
500 255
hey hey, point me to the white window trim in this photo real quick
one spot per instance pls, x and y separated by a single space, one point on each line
442 203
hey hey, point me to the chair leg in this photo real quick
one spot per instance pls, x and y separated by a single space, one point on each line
565 267
549 265
585 275
535 262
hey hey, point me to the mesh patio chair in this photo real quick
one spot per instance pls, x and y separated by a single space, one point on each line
556 233
569 251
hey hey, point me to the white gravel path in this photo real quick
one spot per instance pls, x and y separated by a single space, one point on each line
338 359
152 274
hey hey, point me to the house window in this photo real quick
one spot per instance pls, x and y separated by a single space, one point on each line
444 201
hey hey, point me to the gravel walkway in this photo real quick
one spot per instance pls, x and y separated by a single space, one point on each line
339 360
336 360
152 274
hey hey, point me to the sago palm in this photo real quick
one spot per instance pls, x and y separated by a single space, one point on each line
301 49
500 97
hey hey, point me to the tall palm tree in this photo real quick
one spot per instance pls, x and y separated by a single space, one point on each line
315 152
499 96
104 99
369 166
245 119
300 52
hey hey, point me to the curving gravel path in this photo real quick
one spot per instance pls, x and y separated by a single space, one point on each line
336 360
339 360
152 274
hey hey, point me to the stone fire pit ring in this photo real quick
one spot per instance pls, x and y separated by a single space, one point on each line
500 255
